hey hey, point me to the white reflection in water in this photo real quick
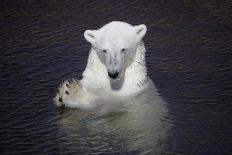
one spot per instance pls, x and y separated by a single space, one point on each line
138 125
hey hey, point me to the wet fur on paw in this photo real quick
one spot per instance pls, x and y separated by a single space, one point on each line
69 91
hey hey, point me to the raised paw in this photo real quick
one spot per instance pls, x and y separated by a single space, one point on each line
69 93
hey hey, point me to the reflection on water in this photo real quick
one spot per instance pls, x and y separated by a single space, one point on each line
138 127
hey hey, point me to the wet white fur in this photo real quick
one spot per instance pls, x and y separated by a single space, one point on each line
96 80
96 84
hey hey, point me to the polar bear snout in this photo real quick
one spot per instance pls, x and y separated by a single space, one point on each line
114 65
114 75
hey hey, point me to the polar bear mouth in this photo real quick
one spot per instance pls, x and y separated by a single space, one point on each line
114 75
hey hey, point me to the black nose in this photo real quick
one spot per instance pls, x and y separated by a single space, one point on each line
113 75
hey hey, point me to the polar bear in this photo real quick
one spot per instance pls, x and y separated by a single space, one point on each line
116 69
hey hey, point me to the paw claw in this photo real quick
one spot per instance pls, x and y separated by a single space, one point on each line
67 85
60 99
66 92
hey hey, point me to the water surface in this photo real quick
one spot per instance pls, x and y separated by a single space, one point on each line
188 58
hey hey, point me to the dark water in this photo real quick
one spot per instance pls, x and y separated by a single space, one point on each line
189 58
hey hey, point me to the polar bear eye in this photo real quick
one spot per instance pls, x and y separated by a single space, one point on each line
123 50
104 51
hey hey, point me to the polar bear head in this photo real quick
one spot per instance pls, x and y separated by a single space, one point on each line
116 44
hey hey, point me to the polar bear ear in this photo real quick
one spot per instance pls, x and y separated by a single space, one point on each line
140 30
90 36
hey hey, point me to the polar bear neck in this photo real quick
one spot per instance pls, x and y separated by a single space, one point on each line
95 76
